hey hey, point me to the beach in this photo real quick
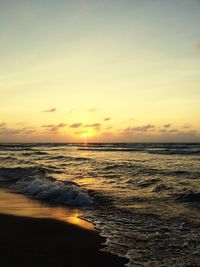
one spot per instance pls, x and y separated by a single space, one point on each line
35 234
46 242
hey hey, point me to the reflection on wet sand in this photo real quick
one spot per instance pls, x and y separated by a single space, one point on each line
20 205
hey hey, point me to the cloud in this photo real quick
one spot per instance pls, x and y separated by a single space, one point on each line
3 124
167 125
92 109
178 136
93 125
162 130
7 131
48 125
186 126
30 131
151 133
173 131
107 119
198 45
76 125
136 133
143 128
61 125
54 127
50 110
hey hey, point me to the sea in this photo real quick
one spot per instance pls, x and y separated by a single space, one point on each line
143 198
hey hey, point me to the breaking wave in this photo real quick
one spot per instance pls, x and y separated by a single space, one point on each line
176 152
34 183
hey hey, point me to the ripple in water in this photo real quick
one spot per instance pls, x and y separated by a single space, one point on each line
144 198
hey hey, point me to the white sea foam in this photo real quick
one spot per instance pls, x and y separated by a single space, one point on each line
35 184
54 191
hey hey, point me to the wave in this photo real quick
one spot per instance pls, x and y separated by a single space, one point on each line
7 158
116 149
160 187
34 183
149 182
176 152
189 196
162 151
33 152
67 158
12 148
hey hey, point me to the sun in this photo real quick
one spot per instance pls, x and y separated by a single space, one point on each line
86 135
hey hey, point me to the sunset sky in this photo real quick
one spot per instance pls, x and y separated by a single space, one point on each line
99 70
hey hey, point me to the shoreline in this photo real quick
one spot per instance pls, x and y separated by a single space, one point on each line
20 205
36 242
36 234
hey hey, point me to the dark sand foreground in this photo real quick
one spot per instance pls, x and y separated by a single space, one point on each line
44 242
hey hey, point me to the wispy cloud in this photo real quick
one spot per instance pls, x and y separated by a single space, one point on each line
154 135
93 125
54 127
186 126
134 133
107 119
50 110
61 125
8 131
175 135
48 125
92 109
3 124
162 130
76 125
173 131
167 125
143 128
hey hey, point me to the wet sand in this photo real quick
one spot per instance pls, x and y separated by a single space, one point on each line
45 242
60 239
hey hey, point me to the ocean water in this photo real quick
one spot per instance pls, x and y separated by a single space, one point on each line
144 198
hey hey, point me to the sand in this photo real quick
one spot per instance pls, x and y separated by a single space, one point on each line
39 242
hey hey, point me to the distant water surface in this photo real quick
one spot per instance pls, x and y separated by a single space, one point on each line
144 198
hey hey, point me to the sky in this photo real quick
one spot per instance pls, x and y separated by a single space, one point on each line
99 71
